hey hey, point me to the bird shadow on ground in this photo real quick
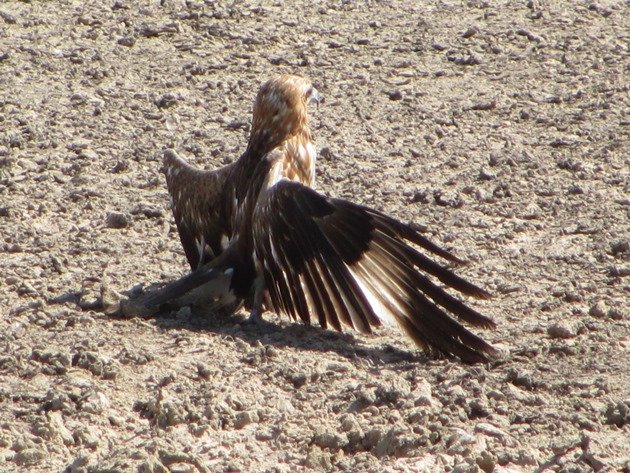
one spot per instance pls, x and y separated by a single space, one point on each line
279 334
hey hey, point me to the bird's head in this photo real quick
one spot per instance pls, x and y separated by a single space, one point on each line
280 110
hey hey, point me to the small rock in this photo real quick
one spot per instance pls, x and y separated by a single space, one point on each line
422 394
245 418
30 456
486 461
8 17
617 314
94 402
318 460
472 31
395 442
562 329
327 439
395 94
599 309
618 413
620 247
117 220
148 211
88 154
81 463
166 101
486 175
152 465
490 430
460 442
88 436
127 41
58 428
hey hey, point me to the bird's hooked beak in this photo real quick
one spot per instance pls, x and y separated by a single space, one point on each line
315 97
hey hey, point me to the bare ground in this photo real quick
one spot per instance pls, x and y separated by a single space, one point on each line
500 126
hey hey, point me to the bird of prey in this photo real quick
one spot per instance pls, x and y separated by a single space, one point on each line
256 232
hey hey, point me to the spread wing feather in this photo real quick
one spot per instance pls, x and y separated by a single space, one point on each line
198 207
346 264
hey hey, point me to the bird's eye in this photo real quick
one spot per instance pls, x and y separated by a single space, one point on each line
309 92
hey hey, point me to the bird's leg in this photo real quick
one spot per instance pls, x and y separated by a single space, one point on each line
255 316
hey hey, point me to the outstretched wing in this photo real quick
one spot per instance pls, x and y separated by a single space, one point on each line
346 264
198 207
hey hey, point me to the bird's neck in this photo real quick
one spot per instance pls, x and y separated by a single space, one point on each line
264 139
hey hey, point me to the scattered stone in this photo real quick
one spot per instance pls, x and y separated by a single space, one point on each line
94 402
318 460
397 441
127 41
422 393
460 442
395 95
617 314
117 220
618 413
563 329
87 436
245 418
329 439
153 465
134 357
58 362
147 210
96 364
472 31
620 247
599 309
8 17
30 456
166 100
81 464
372 437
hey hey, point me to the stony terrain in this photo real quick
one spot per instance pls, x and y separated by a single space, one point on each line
501 128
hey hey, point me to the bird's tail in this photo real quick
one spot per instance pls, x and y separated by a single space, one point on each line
208 286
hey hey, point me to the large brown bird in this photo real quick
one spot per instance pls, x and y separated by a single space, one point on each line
255 232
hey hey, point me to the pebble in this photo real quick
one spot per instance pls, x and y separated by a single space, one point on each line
562 329
472 31
423 394
330 439
460 442
395 95
245 418
80 464
599 309
30 456
620 247
117 220
618 413
318 460
94 402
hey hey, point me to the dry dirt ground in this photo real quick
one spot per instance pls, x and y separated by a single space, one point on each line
500 127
